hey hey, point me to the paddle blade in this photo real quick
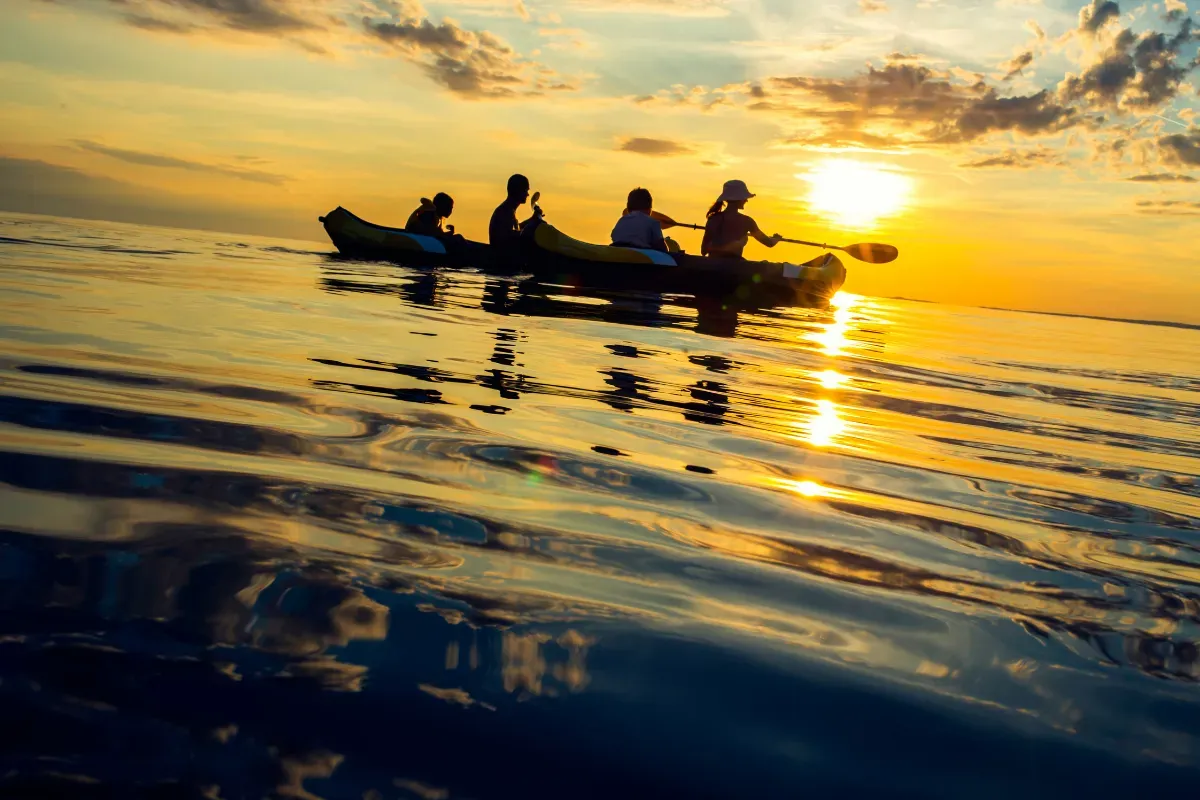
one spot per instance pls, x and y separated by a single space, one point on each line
663 219
872 253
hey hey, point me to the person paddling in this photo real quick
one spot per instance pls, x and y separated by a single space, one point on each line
636 228
427 219
504 228
728 229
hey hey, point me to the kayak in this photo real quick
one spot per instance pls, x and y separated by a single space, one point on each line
357 238
552 256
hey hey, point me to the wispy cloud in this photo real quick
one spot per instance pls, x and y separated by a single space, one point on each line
172 162
1180 208
1018 159
1163 177
654 147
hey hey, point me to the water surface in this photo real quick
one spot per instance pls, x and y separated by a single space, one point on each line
278 524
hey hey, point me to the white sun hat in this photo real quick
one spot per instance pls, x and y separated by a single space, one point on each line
735 190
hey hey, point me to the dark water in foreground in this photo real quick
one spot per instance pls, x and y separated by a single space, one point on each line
277 525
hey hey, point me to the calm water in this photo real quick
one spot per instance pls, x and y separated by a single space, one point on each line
275 524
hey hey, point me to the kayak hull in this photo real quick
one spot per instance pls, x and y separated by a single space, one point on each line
551 256
556 258
354 237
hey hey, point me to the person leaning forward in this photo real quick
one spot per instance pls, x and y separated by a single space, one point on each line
504 228
728 230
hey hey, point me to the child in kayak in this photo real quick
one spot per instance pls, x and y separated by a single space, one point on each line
636 228
728 229
427 220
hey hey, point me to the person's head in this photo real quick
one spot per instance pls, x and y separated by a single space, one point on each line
734 193
640 200
518 188
444 204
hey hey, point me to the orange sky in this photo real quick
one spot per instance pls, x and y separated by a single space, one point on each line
1022 153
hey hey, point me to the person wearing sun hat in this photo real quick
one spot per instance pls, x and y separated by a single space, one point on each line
728 229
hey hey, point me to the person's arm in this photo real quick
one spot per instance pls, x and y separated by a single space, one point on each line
710 230
769 241
657 242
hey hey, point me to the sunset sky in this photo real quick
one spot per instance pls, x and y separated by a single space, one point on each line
1022 153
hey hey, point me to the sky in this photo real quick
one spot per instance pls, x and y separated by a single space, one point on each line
1032 154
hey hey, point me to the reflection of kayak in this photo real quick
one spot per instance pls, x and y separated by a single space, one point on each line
358 238
562 259
552 256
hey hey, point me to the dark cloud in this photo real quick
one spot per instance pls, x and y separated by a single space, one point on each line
1163 177
1135 72
911 104
171 162
1096 15
845 138
472 64
251 16
1174 208
1031 115
654 147
1015 65
160 25
1181 148
1018 159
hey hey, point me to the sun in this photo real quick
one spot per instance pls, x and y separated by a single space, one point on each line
855 194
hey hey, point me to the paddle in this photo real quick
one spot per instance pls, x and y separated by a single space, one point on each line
869 252
667 222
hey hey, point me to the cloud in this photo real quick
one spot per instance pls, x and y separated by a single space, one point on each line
1017 63
249 16
1176 208
912 102
1176 9
1163 177
674 8
1134 72
654 147
1032 115
1018 159
522 11
1096 15
171 162
1181 148
471 64
873 6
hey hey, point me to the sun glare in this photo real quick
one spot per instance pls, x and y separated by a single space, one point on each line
855 194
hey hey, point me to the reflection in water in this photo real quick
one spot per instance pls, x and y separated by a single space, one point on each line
442 535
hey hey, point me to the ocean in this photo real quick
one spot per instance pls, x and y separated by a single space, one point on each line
279 524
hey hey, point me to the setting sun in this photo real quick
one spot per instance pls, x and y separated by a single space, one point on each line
855 194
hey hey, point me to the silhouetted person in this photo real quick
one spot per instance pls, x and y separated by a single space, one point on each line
637 228
504 228
427 220
728 229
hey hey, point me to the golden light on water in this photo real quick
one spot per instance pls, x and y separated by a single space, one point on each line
830 379
855 194
833 336
810 488
826 425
